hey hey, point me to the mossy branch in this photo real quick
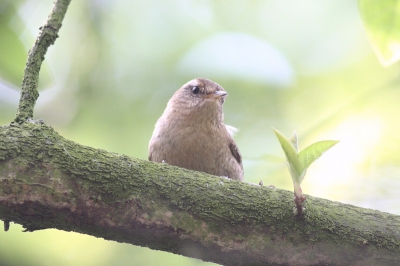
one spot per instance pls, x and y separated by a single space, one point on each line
47 36
47 181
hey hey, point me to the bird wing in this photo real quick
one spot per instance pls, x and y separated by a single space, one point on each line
235 152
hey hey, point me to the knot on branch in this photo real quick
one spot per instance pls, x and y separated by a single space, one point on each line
50 30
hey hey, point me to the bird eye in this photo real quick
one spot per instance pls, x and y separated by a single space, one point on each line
195 90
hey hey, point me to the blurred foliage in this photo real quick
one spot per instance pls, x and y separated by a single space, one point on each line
12 50
302 65
382 21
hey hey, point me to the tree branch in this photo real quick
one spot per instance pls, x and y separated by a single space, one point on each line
47 37
50 182
47 181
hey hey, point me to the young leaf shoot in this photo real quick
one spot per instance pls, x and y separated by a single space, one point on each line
298 162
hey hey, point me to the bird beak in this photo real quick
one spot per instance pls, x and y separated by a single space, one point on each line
217 94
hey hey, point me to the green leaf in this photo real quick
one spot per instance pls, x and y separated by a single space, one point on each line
296 178
295 141
290 152
381 19
313 152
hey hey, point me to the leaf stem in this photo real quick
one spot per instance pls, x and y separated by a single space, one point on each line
299 199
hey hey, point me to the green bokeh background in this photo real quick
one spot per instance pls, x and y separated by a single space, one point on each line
292 65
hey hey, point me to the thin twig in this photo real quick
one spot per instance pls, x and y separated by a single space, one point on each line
47 36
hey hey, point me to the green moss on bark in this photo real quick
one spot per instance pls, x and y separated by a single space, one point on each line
50 182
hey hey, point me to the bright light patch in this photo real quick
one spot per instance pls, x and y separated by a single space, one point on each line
239 56
340 166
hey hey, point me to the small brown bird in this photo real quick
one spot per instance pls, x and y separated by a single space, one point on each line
191 132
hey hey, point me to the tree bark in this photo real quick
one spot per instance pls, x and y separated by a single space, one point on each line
48 181
47 36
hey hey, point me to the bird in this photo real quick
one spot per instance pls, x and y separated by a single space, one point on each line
191 132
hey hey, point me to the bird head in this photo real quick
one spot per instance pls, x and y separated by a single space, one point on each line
200 94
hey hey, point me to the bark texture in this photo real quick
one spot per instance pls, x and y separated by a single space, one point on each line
47 36
47 181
